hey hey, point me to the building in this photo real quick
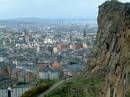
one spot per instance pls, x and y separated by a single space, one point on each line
62 46
56 65
55 50
71 70
49 73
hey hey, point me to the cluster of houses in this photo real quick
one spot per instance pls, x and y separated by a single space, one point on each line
32 52
51 71
30 72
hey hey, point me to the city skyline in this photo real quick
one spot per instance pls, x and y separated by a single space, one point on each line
51 9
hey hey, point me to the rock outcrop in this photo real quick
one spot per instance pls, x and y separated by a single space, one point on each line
110 59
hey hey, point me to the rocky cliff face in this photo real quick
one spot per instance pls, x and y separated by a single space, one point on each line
110 59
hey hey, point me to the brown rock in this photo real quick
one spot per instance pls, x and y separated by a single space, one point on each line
111 56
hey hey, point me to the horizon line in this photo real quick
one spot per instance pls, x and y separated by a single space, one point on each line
48 18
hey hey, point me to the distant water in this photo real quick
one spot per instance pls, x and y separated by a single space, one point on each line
49 21
80 21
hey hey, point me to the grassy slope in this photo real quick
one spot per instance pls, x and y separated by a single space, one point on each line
42 86
78 87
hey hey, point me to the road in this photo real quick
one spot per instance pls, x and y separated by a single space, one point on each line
51 88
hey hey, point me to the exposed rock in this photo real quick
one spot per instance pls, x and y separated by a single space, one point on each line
110 59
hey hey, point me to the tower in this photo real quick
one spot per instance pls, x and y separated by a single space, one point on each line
84 33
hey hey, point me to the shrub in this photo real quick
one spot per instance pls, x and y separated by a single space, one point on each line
36 90
22 83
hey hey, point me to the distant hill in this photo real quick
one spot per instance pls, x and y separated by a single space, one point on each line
45 21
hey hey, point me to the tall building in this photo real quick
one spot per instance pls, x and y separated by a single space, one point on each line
84 33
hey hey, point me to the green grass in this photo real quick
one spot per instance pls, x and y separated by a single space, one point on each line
42 85
78 87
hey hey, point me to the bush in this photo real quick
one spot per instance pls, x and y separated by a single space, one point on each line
37 90
22 83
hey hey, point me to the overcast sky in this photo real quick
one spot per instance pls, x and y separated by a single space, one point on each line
49 8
